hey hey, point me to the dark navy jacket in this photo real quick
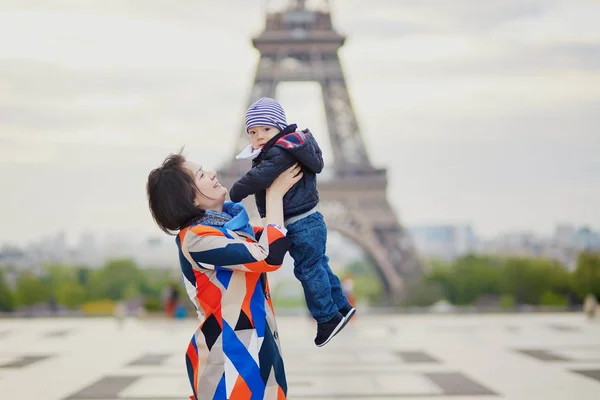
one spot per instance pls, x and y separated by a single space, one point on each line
280 153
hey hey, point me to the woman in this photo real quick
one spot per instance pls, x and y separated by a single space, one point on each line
235 353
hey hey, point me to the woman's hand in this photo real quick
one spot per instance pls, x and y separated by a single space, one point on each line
285 181
275 193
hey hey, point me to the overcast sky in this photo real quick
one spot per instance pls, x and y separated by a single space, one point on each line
485 112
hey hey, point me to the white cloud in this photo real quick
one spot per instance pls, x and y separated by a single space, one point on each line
464 97
483 111
84 40
565 22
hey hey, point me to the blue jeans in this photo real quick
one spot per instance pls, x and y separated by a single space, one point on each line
322 288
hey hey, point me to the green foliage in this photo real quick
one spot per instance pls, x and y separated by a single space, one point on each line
83 275
586 279
289 302
31 290
287 293
507 302
74 286
152 304
132 291
63 284
553 299
7 300
528 278
367 283
156 280
468 278
114 278
516 280
54 274
368 288
534 281
70 294
425 293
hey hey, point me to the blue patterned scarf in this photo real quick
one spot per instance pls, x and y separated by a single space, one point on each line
233 217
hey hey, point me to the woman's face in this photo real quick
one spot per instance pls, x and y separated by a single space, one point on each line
212 194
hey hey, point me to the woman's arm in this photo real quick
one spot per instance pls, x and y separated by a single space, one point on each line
212 247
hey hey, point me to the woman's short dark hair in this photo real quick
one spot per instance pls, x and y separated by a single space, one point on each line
171 194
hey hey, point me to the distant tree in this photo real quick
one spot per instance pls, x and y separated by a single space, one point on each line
586 278
507 302
424 293
549 298
7 300
527 279
157 279
467 278
70 294
63 282
112 280
31 290
132 291
83 275
519 280
55 273
367 283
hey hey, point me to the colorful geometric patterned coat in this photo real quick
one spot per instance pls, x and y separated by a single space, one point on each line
235 353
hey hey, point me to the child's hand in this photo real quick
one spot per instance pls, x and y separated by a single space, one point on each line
285 180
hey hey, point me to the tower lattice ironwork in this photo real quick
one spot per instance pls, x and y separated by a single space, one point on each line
300 44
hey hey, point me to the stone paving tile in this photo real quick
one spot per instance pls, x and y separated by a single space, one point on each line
543 355
150 359
23 361
509 357
455 383
108 387
565 354
590 373
414 357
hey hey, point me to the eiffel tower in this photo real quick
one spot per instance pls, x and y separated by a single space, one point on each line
300 44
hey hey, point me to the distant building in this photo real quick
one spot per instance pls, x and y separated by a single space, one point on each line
586 239
445 242
12 255
564 245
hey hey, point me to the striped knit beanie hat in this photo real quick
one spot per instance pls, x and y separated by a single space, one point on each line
266 112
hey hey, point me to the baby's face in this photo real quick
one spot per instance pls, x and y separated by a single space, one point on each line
260 135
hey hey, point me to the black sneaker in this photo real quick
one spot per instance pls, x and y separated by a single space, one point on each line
348 311
327 330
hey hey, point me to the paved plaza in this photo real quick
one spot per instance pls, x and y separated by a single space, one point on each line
467 357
